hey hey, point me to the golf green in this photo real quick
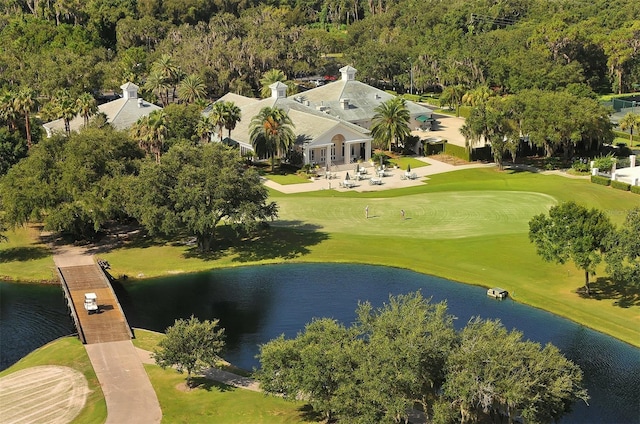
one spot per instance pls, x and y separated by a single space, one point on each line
443 215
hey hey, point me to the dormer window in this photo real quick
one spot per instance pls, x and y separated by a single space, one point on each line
129 90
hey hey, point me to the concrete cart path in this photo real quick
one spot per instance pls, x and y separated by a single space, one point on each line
127 390
125 384
228 378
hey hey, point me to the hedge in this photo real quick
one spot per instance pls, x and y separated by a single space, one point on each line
600 180
635 189
457 151
620 185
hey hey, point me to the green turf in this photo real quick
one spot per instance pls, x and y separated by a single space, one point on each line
212 402
288 179
24 258
404 161
427 216
209 402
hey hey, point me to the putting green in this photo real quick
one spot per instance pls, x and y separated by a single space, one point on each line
444 215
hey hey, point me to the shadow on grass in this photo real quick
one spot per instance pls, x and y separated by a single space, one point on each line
309 414
270 243
208 385
23 254
605 289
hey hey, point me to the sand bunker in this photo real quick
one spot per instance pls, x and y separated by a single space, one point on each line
44 394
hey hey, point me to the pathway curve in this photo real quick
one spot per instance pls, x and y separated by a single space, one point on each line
125 384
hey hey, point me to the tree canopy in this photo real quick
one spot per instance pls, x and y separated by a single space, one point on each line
190 345
196 188
573 233
407 353
623 256
72 184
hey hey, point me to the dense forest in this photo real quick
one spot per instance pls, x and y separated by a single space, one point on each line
509 45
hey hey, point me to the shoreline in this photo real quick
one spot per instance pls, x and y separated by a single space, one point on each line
134 279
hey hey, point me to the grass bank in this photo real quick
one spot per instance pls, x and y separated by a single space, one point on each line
209 402
69 352
468 226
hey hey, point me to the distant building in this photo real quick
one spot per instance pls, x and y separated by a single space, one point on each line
121 113
331 121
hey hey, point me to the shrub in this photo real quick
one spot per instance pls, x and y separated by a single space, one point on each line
635 189
620 185
377 157
604 163
600 180
580 166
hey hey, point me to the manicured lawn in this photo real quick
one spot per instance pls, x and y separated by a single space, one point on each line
24 258
287 179
69 352
210 402
468 226
213 402
404 161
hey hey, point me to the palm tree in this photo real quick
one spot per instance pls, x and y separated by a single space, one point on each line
390 124
8 111
150 132
217 117
157 132
205 128
156 83
630 122
191 88
87 106
272 76
477 96
232 115
24 104
139 131
271 133
452 96
64 107
170 72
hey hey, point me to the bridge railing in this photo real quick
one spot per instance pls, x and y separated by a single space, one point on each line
108 281
72 307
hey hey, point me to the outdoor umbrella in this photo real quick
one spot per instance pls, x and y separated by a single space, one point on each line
347 177
357 168
409 168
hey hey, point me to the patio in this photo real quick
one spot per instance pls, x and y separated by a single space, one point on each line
393 178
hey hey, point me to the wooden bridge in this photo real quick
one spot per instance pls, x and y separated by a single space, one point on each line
109 323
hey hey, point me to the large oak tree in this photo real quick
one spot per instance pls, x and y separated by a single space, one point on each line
196 188
573 233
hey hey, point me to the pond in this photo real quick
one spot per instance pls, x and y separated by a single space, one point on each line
257 304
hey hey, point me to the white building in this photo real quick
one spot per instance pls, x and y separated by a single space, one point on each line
331 121
121 113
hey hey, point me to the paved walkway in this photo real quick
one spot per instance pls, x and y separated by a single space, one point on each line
127 390
214 374
125 384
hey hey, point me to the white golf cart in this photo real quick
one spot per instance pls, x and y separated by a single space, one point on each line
91 302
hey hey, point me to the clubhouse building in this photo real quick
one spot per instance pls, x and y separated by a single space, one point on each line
331 122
